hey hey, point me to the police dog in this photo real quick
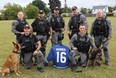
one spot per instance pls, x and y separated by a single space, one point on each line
12 61
95 57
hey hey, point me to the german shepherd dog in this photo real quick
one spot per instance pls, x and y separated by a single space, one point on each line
12 61
95 57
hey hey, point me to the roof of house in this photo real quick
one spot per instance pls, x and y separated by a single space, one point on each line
100 7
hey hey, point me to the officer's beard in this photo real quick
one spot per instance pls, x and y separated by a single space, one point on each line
41 18
27 33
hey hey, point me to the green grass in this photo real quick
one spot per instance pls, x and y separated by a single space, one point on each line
6 38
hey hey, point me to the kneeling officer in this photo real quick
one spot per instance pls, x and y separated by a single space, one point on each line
80 44
29 42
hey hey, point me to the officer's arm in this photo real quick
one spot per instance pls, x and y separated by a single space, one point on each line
38 45
69 24
91 31
49 57
14 24
110 28
91 42
50 25
34 25
73 39
83 20
63 23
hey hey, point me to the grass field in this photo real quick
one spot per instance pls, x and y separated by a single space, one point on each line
6 38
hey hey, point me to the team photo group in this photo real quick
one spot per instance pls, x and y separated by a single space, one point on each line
31 41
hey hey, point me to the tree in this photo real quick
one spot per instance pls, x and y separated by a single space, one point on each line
66 10
41 5
110 9
10 11
31 11
83 10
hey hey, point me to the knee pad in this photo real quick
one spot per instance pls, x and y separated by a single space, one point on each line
61 37
71 54
42 49
105 48
40 54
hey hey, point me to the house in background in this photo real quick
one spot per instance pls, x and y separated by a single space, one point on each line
114 12
103 7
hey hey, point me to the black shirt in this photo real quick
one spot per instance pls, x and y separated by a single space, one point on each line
29 43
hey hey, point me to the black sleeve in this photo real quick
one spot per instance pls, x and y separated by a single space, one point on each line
35 38
34 25
69 24
63 22
20 40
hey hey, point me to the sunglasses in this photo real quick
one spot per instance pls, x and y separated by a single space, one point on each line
40 13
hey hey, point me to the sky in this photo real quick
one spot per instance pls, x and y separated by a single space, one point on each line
70 3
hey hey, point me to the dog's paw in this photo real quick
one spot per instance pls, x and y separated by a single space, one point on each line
3 74
17 74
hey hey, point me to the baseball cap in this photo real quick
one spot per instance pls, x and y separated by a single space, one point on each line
74 8
41 11
56 8
26 26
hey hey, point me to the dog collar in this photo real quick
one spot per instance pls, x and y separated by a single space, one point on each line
16 52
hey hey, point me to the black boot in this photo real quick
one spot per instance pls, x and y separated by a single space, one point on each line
74 67
40 69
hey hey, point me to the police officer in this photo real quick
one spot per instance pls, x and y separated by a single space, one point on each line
17 29
74 22
29 42
57 27
18 25
102 31
80 44
42 27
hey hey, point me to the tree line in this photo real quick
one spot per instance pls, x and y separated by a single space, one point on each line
10 11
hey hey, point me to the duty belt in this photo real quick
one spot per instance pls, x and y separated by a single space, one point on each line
41 34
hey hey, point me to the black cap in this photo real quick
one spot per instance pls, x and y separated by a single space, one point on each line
56 8
41 11
26 26
74 8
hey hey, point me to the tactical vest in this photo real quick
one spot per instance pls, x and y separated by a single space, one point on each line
21 25
75 23
41 26
57 23
29 44
82 43
101 28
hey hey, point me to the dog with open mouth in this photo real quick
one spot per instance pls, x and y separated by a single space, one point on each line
12 62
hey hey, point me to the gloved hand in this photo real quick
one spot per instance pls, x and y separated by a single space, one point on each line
45 63
94 49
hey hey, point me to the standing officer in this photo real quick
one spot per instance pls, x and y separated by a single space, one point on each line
42 27
17 28
74 22
29 42
57 27
18 25
102 32
80 44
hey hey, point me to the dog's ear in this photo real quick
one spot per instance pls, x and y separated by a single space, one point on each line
0 69
101 47
14 43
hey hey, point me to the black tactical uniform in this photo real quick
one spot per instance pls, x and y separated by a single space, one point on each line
42 28
75 22
82 43
101 30
18 26
29 44
57 23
